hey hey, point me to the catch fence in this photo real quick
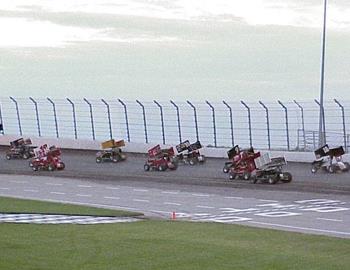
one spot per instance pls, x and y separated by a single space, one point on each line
291 125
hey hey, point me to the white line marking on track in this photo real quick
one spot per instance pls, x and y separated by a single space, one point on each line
140 190
112 198
238 198
200 195
267 200
278 214
204 206
4 188
172 203
31 190
53 184
330 219
84 186
83 195
139 200
18 182
299 228
235 210
59 193
170 192
112 188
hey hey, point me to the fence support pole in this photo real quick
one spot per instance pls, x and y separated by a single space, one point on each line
287 124
231 121
178 119
74 118
144 119
37 115
267 123
18 116
195 118
302 122
324 123
54 115
214 122
1 122
126 118
109 118
91 119
249 123
161 119
344 126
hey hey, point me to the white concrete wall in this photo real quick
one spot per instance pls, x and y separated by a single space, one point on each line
142 148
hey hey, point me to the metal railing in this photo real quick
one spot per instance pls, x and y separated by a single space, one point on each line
265 125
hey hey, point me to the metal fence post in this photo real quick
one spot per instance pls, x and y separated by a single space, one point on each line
161 119
126 118
178 119
267 123
231 121
302 122
54 115
144 119
344 126
195 118
91 119
18 116
324 122
287 125
2 129
109 118
74 118
37 115
214 122
249 123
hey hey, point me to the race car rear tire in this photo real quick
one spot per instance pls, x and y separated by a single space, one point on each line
272 179
8 157
192 162
332 169
246 176
62 166
226 169
287 177
117 158
173 166
51 167
232 176
146 167
314 169
162 168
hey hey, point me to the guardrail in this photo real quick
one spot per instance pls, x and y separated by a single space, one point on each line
276 125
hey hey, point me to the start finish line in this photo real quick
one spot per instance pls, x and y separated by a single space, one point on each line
62 219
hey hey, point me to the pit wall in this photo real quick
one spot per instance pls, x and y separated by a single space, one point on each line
142 148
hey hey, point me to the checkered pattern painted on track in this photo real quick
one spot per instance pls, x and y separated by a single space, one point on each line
61 219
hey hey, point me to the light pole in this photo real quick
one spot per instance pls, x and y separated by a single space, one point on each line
322 122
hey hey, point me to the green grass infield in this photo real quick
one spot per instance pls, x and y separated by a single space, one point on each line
151 244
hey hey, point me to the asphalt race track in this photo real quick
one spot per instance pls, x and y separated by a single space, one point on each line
311 203
81 164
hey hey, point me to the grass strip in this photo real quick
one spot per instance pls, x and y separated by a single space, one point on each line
163 245
13 205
